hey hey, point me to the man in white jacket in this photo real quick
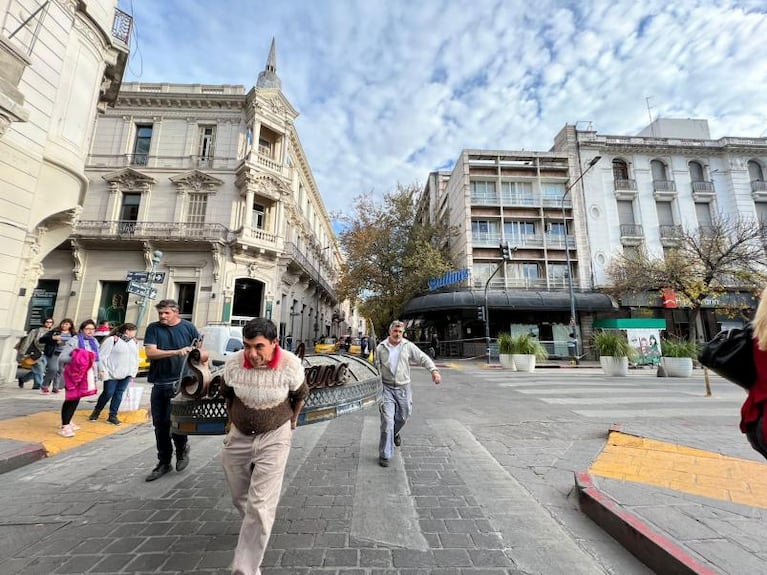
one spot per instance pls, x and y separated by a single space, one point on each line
392 358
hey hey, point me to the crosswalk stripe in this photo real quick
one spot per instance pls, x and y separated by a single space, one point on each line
660 412
628 400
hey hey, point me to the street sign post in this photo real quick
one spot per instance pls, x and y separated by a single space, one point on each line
141 289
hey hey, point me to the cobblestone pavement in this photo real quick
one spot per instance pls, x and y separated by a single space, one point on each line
483 484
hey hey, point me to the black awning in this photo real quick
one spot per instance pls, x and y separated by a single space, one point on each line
509 300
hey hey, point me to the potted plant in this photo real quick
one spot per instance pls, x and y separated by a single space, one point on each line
505 349
525 349
677 355
614 351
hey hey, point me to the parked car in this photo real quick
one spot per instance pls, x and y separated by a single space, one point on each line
326 345
221 340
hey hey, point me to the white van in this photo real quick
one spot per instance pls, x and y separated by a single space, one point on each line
221 340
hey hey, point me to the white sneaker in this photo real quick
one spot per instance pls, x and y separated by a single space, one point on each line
66 431
74 427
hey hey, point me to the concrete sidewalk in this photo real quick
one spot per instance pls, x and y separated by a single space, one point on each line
684 498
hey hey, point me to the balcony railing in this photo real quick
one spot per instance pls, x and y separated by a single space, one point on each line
758 186
179 231
703 187
621 184
670 231
172 162
292 251
631 234
523 283
664 186
121 26
558 240
486 239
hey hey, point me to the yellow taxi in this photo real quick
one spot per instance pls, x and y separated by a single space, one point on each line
326 345
143 362
355 348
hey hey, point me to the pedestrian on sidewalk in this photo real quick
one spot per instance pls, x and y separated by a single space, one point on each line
265 389
81 366
167 341
119 355
54 341
37 371
392 358
752 417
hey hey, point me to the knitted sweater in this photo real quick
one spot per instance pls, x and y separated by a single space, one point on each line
261 399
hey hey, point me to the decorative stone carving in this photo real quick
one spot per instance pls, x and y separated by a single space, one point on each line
252 271
196 181
77 268
129 180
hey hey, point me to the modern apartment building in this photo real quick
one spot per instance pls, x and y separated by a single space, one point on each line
647 188
524 200
60 62
206 189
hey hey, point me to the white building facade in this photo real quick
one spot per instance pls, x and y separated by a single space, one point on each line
647 188
208 187
60 62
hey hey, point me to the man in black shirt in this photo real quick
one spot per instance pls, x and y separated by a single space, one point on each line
167 343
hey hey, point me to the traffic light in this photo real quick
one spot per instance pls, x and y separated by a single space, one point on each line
505 251
481 313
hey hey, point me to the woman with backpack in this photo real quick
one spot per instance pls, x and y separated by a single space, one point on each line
81 368
119 356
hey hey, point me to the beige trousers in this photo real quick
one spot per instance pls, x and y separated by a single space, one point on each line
255 493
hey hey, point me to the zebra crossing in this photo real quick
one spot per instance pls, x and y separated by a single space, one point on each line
590 394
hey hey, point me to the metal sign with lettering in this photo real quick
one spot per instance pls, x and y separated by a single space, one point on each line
142 290
157 278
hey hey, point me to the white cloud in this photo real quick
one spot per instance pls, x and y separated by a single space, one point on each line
389 91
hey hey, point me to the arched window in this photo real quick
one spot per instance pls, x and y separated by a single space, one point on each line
620 170
755 172
696 172
658 169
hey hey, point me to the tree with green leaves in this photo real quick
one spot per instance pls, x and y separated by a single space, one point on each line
390 256
704 263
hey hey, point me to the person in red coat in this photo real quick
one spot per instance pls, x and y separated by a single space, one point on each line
752 420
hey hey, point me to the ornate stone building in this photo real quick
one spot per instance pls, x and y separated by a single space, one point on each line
60 62
208 187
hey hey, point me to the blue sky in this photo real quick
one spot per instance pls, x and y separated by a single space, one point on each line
389 90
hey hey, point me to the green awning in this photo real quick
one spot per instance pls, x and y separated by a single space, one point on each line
628 323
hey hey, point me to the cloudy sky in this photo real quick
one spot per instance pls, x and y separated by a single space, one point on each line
389 90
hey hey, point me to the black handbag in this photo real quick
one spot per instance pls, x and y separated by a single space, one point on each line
33 352
731 355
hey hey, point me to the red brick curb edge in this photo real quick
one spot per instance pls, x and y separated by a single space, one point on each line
657 551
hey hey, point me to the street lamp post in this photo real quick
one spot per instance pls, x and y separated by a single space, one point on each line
156 257
506 252
317 312
570 286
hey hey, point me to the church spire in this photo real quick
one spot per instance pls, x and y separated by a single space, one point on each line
268 77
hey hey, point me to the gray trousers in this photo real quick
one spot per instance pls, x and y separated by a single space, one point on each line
254 466
395 408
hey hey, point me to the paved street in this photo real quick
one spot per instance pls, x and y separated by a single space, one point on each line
483 484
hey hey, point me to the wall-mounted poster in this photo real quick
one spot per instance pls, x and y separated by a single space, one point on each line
646 342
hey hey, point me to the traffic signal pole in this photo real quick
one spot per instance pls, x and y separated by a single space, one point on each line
506 252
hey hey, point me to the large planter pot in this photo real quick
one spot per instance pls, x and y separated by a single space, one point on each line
507 361
524 361
677 366
614 366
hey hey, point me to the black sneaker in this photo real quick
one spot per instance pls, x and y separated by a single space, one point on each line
182 459
95 415
159 471
383 462
397 440
113 420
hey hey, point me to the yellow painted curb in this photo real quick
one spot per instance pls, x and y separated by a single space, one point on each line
682 468
43 428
